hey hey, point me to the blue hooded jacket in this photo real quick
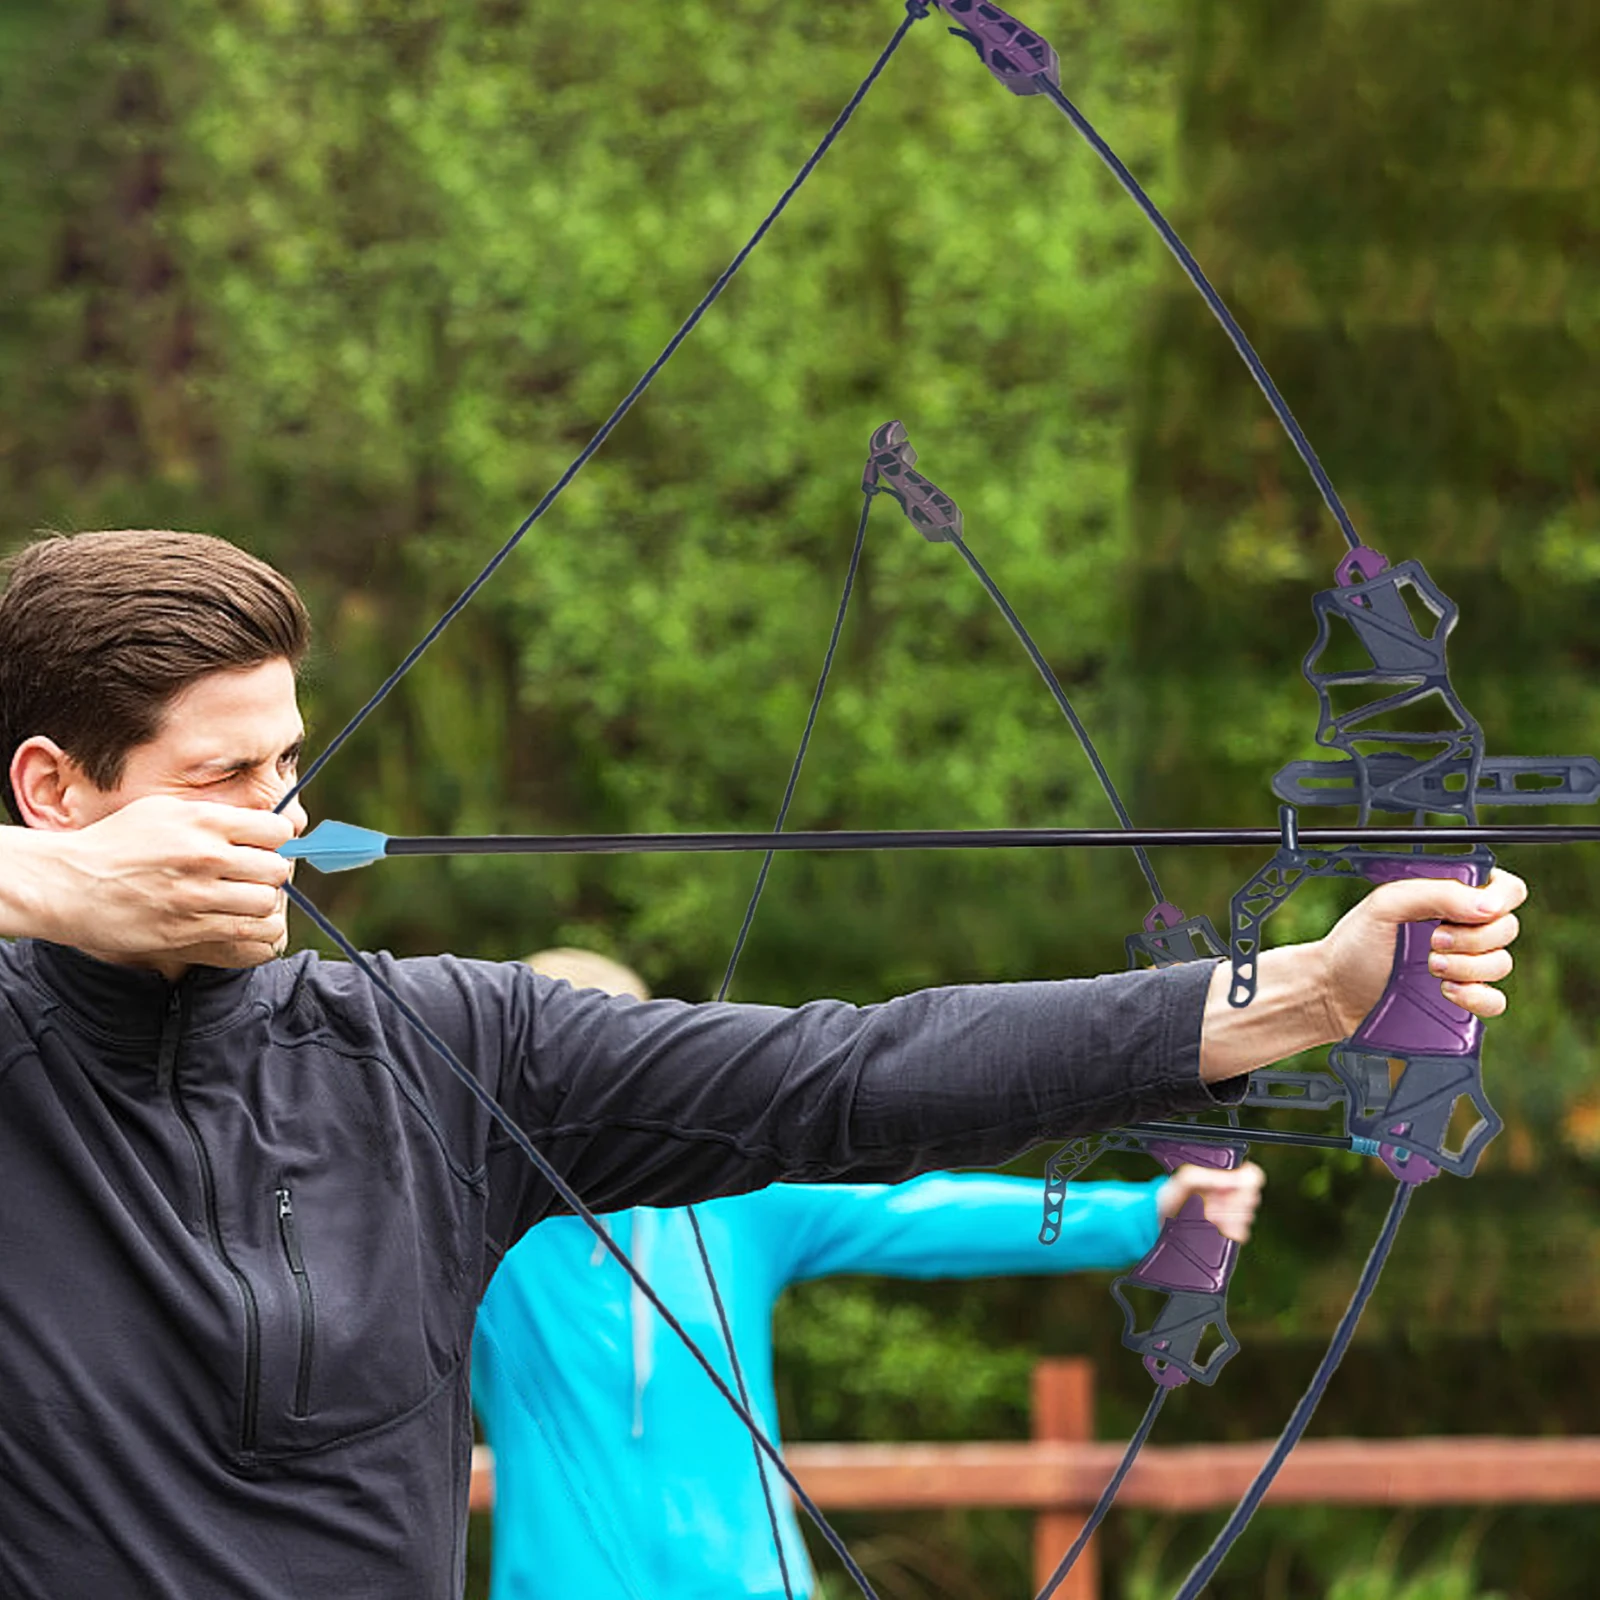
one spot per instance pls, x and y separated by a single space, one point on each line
619 1469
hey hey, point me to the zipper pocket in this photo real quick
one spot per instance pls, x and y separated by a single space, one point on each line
289 1233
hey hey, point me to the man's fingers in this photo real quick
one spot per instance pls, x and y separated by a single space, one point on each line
263 830
1445 900
255 866
1478 998
239 905
1467 940
1489 968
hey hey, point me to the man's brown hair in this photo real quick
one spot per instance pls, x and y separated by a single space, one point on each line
99 631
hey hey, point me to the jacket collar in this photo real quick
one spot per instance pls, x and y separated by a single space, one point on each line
131 1005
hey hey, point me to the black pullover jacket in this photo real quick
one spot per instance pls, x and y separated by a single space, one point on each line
245 1221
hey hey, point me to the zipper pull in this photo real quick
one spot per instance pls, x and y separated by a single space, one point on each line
289 1233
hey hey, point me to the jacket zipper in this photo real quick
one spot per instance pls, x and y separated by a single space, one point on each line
167 1078
289 1232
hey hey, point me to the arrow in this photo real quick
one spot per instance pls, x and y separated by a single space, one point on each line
342 847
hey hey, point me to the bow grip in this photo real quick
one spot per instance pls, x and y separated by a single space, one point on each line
1435 1041
1412 1017
1191 1263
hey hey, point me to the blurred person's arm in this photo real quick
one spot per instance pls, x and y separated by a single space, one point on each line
980 1224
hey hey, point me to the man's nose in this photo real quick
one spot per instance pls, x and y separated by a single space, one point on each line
296 815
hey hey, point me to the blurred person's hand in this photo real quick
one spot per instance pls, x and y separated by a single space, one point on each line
1230 1198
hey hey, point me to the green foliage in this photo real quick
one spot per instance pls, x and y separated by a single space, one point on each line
859 1365
1438 1583
353 282
1311 1554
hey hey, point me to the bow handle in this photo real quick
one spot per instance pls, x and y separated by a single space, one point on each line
1434 1043
1437 1041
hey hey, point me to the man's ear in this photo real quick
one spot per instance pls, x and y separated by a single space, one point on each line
50 787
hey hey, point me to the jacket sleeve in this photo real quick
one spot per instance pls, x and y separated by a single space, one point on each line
959 1225
663 1103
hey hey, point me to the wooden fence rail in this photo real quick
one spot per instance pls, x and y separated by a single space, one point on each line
1059 1473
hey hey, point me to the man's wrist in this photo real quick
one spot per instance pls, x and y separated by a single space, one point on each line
1292 1011
26 904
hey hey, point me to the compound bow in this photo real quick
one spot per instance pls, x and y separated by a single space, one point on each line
1436 1046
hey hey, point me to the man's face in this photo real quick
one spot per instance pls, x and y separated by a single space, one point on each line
233 738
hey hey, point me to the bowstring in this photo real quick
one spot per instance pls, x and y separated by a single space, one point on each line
1219 309
915 10
722 994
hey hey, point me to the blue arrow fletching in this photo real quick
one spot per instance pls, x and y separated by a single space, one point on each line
337 847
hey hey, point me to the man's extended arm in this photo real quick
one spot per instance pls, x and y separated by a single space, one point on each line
663 1103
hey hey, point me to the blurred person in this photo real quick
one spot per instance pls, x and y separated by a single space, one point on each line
249 1215
618 1470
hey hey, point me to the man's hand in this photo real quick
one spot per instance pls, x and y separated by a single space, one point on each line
1317 994
1230 1198
162 882
1470 953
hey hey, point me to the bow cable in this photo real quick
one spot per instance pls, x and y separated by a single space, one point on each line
1290 1437
1107 1495
1219 308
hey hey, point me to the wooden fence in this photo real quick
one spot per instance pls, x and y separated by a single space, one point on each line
1059 1473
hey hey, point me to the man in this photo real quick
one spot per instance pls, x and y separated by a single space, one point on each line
618 1470
247 1216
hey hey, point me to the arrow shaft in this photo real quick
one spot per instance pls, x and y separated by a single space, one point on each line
513 844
